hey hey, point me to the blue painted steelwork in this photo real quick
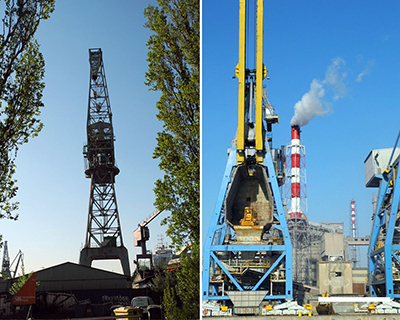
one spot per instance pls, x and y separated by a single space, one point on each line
218 275
247 252
384 248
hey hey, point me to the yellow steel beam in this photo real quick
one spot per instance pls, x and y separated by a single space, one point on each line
241 75
259 80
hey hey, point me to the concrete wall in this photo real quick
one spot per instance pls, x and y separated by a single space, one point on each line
335 277
332 245
360 280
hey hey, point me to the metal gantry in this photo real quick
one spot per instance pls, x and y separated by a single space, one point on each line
103 234
384 248
247 254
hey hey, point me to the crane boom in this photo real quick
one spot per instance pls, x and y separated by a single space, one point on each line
150 218
250 134
142 233
20 259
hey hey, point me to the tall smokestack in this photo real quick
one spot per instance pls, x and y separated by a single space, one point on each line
353 230
353 218
296 193
295 211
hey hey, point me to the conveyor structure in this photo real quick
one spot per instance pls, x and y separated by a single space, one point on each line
247 253
384 248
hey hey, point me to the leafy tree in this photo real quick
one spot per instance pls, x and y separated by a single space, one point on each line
170 305
180 289
21 89
187 286
173 70
173 59
163 280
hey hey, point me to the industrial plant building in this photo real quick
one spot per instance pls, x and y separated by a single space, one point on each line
72 289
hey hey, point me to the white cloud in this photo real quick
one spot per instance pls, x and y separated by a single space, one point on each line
366 70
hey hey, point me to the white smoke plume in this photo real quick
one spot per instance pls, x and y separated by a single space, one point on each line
366 70
334 78
311 104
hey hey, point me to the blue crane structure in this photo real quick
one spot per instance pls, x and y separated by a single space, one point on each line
384 248
247 254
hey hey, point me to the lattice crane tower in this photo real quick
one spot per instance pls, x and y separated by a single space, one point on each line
5 267
103 235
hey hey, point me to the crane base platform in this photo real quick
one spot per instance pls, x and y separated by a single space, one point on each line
106 253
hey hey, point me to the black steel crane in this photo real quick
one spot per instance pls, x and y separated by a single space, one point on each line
5 266
103 235
9 270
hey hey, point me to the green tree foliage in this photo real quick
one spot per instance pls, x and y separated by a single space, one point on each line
180 289
173 59
163 280
187 286
22 279
170 305
21 88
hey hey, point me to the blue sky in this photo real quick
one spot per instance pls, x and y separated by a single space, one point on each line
302 39
53 190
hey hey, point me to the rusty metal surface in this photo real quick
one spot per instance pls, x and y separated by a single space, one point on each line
248 233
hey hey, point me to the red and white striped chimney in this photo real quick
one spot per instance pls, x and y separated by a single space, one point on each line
295 205
353 218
